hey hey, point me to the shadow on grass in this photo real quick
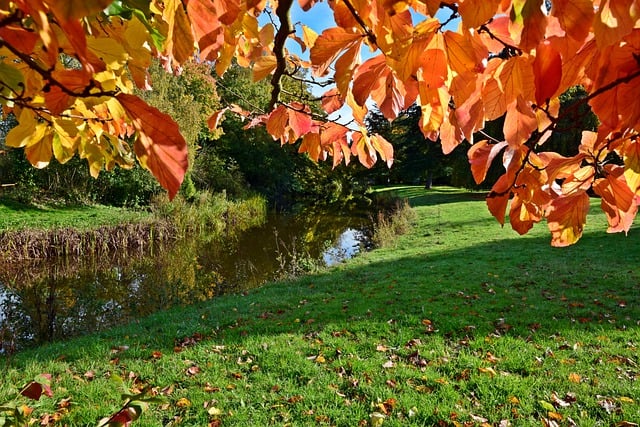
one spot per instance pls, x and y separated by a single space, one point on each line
519 287
419 196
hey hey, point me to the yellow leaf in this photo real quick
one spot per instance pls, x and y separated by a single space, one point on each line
263 67
377 419
179 42
575 378
309 36
321 359
625 399
12 81
214 412
20 135
632 164
39 150
554 416
76 9
183 402
112 54
490 371
65 139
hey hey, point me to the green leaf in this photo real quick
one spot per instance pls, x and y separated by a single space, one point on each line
546 405
141 5
11 80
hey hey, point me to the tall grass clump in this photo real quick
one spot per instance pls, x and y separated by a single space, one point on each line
394 218
210 215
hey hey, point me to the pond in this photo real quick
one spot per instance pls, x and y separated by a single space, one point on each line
47 300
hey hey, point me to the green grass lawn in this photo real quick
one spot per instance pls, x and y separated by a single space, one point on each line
17 216
460 323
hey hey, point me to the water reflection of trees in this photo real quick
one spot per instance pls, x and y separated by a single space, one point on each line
57 298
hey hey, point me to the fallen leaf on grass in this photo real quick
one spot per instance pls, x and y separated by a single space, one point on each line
376 419
35 389
554 416
295 399
193 370
491 358
575 378
490 371
183 402
549 423
213 411
608 405
387 406
478 419
562 403
388 364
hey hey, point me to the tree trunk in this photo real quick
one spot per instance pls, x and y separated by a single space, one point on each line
429 183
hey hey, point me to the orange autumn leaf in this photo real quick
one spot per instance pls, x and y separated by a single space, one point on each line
329 45
481 155
477 12
617 200
575 378
566 218
159 146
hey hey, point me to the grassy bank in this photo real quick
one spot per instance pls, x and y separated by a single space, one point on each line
31 232
15 216
458 323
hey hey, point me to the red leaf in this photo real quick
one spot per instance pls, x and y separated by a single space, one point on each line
306 4
547 70
33 390
277 123
160 147
215 118
481 155
300 122
208 31
618 201
19 38
498 198
332 101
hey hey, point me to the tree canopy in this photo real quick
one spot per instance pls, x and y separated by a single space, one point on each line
69 68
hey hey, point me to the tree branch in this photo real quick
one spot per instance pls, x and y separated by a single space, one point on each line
370 36
283 12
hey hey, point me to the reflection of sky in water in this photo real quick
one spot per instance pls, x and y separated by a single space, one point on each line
347 246
4 297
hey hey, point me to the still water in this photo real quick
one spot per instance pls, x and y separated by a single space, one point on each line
47 300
